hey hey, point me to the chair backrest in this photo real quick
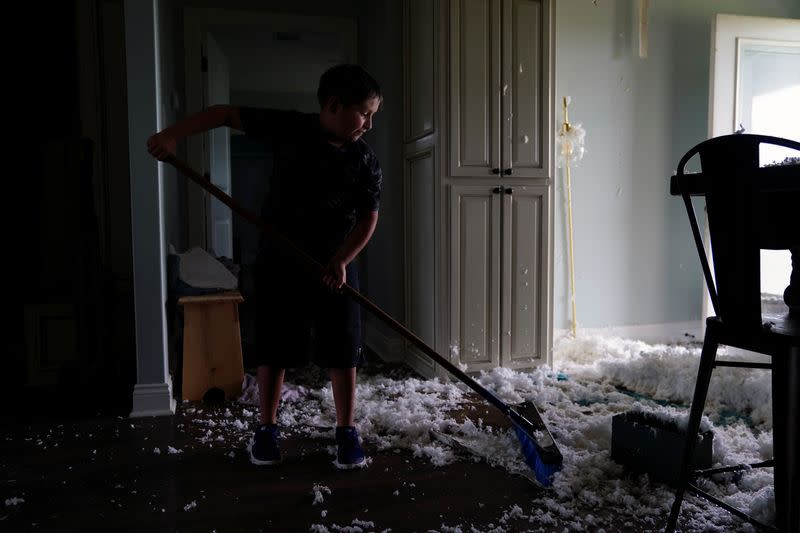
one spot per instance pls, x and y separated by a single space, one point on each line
735 189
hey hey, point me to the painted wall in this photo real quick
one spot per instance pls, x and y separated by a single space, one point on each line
635 262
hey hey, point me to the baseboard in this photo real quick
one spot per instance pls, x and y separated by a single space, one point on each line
389 348
667 332
153 399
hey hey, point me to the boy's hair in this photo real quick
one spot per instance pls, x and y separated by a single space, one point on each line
350 83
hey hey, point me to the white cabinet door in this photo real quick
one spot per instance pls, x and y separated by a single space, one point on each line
524 296
498 275
474 87
475 275
420 27
499 88
420 254
525 89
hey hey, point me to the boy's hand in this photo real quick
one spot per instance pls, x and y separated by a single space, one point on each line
161 145
335 275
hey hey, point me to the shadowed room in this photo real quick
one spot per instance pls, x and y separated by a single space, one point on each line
578 308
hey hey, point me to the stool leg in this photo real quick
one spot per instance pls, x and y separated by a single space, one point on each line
707 357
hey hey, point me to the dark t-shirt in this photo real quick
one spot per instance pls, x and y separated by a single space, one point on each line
317 189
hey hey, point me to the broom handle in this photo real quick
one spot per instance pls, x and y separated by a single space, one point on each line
220 195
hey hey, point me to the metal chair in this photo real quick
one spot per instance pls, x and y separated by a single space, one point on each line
748 208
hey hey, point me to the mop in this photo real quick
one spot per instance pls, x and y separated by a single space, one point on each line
538 447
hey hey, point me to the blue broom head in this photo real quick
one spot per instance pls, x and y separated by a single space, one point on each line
543 462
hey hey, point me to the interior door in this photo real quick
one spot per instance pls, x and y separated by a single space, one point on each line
755 87
475 88
524 296
526 88
217 91
475 275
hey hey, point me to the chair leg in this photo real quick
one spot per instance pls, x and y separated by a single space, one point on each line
786 437
704 371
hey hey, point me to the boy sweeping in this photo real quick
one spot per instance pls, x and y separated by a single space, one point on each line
324 197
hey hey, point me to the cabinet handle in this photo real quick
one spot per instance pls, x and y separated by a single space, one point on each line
497 190
507 172
495 171
509 190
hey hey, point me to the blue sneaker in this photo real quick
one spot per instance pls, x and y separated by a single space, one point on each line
263 447
349 453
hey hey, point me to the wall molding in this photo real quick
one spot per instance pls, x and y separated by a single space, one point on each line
651 333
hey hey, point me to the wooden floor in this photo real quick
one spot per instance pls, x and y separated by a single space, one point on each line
103 473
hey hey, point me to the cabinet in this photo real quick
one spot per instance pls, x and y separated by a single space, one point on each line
478 173
499 116
498 275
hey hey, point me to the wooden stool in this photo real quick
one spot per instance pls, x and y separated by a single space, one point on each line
212 344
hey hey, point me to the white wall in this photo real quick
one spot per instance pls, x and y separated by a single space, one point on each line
635 262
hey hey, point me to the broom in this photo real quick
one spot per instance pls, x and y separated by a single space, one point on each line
538 447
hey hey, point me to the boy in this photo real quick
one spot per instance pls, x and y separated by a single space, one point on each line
324 197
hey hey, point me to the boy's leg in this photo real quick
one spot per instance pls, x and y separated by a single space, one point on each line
282 335
337 343
270 381
349 453
343 383
264 448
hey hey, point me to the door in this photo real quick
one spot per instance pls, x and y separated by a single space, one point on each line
475 275
524 294
498 275
499 88
217 91
525 89
474 88
420 254
755 86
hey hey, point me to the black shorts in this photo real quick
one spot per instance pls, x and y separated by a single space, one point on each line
300 320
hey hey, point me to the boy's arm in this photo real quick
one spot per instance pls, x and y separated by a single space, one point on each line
162 144
334 276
